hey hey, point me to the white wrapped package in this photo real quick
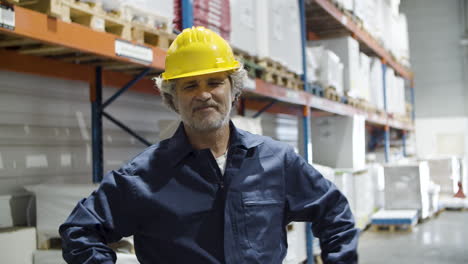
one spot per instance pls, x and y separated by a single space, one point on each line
364 73
407 187
340 140
278 33
54 203
345 183
17 245
297 243
378 179
243 25
445 172
324 68
347 49
55 257
111 5
376 83
252 125
327 172
13 210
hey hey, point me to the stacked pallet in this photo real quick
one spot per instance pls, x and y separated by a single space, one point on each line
269 70
394 220
125 21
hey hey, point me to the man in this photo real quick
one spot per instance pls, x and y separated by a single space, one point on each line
211 193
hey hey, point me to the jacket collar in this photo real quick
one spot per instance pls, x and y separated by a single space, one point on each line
180 147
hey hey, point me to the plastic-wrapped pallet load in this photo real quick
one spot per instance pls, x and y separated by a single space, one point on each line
406 187
325 68
340 141
390 89
13 210
376 84
403 50
327 172
445 172
252 125
243 25
279 35
297 243
347 49
55 257
364 73
17 245
358 187
157 13
346 4
54 203
378 180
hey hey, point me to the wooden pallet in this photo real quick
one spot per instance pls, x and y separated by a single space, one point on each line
85 13
352 101
392 228
145 19
56 243
250 63
331 94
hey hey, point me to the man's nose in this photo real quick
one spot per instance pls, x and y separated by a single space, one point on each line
203 93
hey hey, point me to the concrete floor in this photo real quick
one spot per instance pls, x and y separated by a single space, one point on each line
440 240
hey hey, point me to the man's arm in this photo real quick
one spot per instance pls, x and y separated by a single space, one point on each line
313 198
106 216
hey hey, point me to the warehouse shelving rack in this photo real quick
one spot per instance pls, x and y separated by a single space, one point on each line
38 44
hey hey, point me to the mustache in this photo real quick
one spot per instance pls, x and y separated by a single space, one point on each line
208 104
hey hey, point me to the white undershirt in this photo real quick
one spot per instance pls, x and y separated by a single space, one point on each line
221 160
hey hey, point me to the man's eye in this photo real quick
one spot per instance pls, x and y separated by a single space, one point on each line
215 83
189 87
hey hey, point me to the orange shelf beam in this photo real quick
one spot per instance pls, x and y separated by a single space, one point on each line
38 26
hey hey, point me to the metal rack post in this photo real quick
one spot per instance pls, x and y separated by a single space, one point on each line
387 128
306 121
187 13
96 124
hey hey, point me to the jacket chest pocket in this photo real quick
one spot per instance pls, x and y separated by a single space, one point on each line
263 219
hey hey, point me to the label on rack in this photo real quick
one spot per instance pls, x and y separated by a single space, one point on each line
292 94
250 84
7 17
134 52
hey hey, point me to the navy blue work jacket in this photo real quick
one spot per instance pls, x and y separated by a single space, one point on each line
180 209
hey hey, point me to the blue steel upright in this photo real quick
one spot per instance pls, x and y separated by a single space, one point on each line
96 125
187 13
387 128
306 121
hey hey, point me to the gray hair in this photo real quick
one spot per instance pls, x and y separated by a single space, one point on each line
167 88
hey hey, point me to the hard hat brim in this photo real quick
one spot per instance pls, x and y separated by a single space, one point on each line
201 72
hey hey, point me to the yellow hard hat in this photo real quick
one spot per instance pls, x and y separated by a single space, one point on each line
198 51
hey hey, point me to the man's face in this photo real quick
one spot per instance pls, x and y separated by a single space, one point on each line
204 102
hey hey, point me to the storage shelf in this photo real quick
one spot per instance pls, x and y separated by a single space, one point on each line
71 51
325 19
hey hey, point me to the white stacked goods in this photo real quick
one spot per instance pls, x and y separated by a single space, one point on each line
407 187
13 210
376 171
297 243
327 172
17 245
454 203
340 141
376 84
252 125
278 33
345 183
395 87
364 73
244 28
112 5
347 49
434 192
445 172
54 203
158 14
55 257
395 217
324 68
358 186
365 10
402 51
